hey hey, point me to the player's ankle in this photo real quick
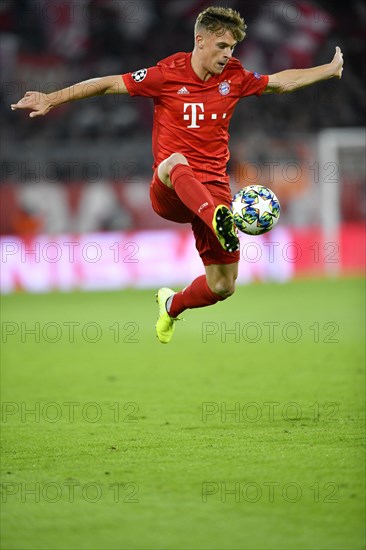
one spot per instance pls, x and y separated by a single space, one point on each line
168 304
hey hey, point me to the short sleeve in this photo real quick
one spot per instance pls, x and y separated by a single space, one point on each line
144 82
253 83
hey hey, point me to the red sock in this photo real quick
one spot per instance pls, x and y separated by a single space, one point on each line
197 294
192 192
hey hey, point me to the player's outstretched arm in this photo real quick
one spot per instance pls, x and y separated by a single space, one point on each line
293 79
41 104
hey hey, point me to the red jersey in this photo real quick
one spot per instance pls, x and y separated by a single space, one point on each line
191 116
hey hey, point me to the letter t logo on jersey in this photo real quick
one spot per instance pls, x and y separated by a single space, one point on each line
194 106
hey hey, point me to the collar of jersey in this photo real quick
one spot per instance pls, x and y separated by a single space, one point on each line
195 77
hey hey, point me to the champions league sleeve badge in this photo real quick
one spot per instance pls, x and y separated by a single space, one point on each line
224 88
139 75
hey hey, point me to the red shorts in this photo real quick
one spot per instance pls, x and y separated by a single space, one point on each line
168 205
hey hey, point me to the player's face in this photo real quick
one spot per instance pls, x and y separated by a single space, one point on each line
216 51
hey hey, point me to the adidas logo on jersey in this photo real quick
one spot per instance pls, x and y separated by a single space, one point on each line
183 91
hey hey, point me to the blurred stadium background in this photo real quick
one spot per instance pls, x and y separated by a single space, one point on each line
74 185
75 214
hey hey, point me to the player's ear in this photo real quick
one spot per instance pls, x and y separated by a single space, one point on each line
199 39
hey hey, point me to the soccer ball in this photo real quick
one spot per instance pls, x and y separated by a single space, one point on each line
256 209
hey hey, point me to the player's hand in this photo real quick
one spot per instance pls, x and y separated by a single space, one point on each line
36 101
337 63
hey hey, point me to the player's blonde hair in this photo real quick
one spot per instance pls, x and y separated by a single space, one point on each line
219 20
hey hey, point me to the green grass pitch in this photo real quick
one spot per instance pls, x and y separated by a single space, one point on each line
245 432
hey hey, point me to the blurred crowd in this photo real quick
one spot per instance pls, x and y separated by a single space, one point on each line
47 44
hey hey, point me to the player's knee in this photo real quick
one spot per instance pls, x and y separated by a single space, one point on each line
225 288
167 166
173 160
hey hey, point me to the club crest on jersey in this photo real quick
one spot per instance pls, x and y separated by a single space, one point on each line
139 75
224 88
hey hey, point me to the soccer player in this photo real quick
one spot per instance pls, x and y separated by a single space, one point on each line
194 97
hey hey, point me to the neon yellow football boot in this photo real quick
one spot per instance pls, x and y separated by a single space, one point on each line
165 324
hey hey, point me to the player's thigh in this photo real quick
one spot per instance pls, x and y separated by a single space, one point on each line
209 247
